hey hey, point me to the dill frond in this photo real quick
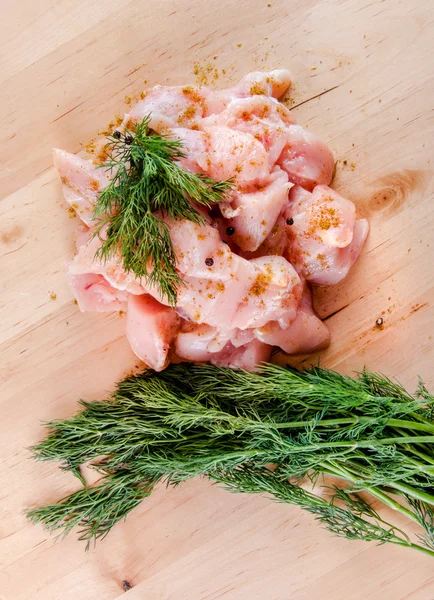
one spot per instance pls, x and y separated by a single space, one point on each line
147 184
229 426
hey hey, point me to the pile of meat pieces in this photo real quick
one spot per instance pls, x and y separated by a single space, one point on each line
247 270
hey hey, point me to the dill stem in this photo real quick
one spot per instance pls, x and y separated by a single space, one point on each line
356 420
344 473
368 443
420 454
414 546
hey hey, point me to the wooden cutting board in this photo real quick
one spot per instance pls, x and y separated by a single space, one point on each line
363 80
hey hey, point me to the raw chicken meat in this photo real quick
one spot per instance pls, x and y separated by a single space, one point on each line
82 182
306 333
256 213
247 268
324 239
94 293
175 106
306 159
273 84
151 329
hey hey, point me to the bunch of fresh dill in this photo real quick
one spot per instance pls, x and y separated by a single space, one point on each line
231 425
147 184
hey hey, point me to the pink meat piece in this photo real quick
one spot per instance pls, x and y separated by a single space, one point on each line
215 302
194 244
261 116
272 83
241 337
274 294
194 341
171 106
235 154
323 214
274 244
334 266
85 262
256 213
307 333
307 160
82 182
257 291
199 342
194 146
94 293
151 329
247 357
320 243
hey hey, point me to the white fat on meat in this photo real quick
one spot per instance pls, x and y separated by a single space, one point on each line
307 160
197 343
307 333
86 262
151 329
82 182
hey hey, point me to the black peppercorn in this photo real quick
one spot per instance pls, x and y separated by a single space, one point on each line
117 134
209 262
128 139
290 221
126 585
230 230
379 322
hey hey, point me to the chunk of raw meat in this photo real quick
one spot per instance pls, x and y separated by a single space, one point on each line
215 302
198 342
247 357
94 293
85 262
307 333
261 116
235 154
82 182
194 245
274 244
336 263
274 83
307 160
151 329
274 294
256 213
320 239
194 146
171 106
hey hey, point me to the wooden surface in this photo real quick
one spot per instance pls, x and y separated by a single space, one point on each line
363 75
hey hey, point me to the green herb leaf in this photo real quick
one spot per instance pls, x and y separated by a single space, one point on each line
147 183
231 425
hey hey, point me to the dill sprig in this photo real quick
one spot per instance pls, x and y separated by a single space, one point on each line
147 183
229 426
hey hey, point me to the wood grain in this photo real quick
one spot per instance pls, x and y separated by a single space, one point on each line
65 68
